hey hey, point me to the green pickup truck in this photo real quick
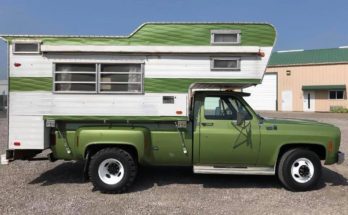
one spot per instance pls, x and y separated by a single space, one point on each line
223 135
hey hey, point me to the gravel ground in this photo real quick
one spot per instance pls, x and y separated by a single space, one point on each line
41 187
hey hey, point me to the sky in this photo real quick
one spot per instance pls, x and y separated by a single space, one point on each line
300 24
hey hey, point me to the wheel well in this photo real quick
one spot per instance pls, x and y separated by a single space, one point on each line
92 149
318 149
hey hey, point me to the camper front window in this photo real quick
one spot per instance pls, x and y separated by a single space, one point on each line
225 64
225 37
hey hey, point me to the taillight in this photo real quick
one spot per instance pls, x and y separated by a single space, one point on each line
178 112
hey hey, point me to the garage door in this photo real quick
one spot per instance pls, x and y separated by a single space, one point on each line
263 96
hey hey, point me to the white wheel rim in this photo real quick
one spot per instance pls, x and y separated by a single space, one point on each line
111 171
302 170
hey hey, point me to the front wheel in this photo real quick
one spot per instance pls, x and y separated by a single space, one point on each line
112 170
299 169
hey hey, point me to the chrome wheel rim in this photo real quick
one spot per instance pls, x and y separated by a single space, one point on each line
302 170
111 171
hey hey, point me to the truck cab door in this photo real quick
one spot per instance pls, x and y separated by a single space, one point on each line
222 141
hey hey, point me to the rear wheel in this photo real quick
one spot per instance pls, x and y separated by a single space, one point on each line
112 170
299 169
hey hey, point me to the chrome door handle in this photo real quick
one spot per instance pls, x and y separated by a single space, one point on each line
207 123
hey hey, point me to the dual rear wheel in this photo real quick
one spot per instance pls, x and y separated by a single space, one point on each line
112 170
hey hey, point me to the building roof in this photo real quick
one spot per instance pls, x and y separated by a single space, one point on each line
253 34
324 87
309 57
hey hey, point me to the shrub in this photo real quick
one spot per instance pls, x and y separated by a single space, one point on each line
338 109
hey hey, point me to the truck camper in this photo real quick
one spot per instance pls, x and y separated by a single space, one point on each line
168 94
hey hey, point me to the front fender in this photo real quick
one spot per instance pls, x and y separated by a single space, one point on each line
269 155
303 144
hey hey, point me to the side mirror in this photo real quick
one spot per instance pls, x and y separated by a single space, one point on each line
241 116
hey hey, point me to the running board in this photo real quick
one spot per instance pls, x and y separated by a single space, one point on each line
234 170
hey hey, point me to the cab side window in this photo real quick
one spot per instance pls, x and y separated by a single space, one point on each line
239 106
223 108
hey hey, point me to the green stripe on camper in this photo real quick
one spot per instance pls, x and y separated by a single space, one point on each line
174 34
152 85
114 118
30 84
157 85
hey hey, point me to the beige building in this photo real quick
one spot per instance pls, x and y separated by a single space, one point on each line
310 80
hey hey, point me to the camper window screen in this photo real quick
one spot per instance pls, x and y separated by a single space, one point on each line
121 78
75 78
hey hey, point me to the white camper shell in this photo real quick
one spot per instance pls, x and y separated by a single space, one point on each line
147 75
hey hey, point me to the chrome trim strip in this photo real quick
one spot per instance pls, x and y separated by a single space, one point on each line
234 171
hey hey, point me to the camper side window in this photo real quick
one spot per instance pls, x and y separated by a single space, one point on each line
121 78
98 78
26 47
75 77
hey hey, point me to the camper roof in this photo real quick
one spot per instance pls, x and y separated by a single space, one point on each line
164 33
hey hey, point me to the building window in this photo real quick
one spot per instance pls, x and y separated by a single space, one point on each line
112 78
26 47
121 78
225 37
336 94
225 64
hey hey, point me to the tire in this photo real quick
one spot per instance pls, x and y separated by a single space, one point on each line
299 169
112 170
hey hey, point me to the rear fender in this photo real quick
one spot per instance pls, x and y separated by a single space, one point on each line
138 138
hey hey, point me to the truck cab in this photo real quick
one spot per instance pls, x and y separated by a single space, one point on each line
226 130
230 138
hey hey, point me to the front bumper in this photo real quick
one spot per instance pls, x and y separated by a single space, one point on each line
340 157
